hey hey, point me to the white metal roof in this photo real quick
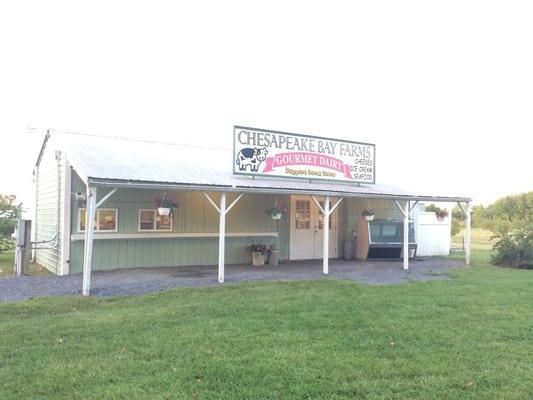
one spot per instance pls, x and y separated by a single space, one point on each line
122 162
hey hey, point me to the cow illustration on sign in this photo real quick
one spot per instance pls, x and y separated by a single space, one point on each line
251 157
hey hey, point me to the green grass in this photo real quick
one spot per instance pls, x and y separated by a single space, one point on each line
481 239
478 257
465 338
7 261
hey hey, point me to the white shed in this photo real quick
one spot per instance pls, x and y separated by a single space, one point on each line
432 236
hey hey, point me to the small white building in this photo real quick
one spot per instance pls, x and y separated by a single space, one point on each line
433 236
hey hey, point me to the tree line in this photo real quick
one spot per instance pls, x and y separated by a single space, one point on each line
511 220
10 212
506 214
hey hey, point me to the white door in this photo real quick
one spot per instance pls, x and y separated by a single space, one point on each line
307 233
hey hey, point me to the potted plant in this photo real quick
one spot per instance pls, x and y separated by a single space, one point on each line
81 199
165 205
369 214
441 214
259 252
275 212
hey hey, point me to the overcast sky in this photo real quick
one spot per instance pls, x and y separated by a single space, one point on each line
445 89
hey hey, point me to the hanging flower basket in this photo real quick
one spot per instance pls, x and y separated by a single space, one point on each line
368 214
441 214
164 211
165 205
276 212
276 215
80 198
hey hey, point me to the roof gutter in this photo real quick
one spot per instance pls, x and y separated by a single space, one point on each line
244 189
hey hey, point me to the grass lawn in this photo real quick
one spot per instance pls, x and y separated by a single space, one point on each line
6 263
7 260
481 239
466 338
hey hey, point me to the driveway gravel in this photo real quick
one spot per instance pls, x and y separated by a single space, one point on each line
127 282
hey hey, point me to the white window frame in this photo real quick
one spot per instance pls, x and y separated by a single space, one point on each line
96 225
155 222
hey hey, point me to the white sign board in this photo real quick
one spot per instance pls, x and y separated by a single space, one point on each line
271 153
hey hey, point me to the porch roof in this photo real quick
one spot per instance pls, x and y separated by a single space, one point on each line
123 162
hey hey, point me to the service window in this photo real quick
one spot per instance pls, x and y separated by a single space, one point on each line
150 220
105 220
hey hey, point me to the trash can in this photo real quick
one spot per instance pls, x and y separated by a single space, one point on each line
353 238
348 249
273 255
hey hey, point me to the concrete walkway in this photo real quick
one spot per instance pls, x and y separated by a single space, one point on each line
136 281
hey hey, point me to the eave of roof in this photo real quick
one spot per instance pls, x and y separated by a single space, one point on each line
115 183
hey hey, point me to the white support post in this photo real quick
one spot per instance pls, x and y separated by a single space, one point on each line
405 212
222 211
468 233
325 251
107 196
326 211
406 237
212 202
221 236
233 203
89 234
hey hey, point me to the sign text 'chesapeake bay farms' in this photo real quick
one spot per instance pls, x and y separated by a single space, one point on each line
271 153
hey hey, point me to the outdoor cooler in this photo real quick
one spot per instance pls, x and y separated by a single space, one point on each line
383 239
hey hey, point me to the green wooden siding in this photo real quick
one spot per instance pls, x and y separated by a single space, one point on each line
120 253
195 215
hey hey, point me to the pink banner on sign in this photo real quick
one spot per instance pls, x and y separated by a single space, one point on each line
302 158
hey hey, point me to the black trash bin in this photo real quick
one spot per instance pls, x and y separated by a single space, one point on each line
348 249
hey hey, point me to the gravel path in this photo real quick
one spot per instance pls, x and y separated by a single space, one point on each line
127 282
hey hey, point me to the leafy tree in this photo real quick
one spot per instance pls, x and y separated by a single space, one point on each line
10 211
458 213
458 220
478 217
432 208
506 214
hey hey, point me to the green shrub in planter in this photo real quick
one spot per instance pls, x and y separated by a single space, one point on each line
259 252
